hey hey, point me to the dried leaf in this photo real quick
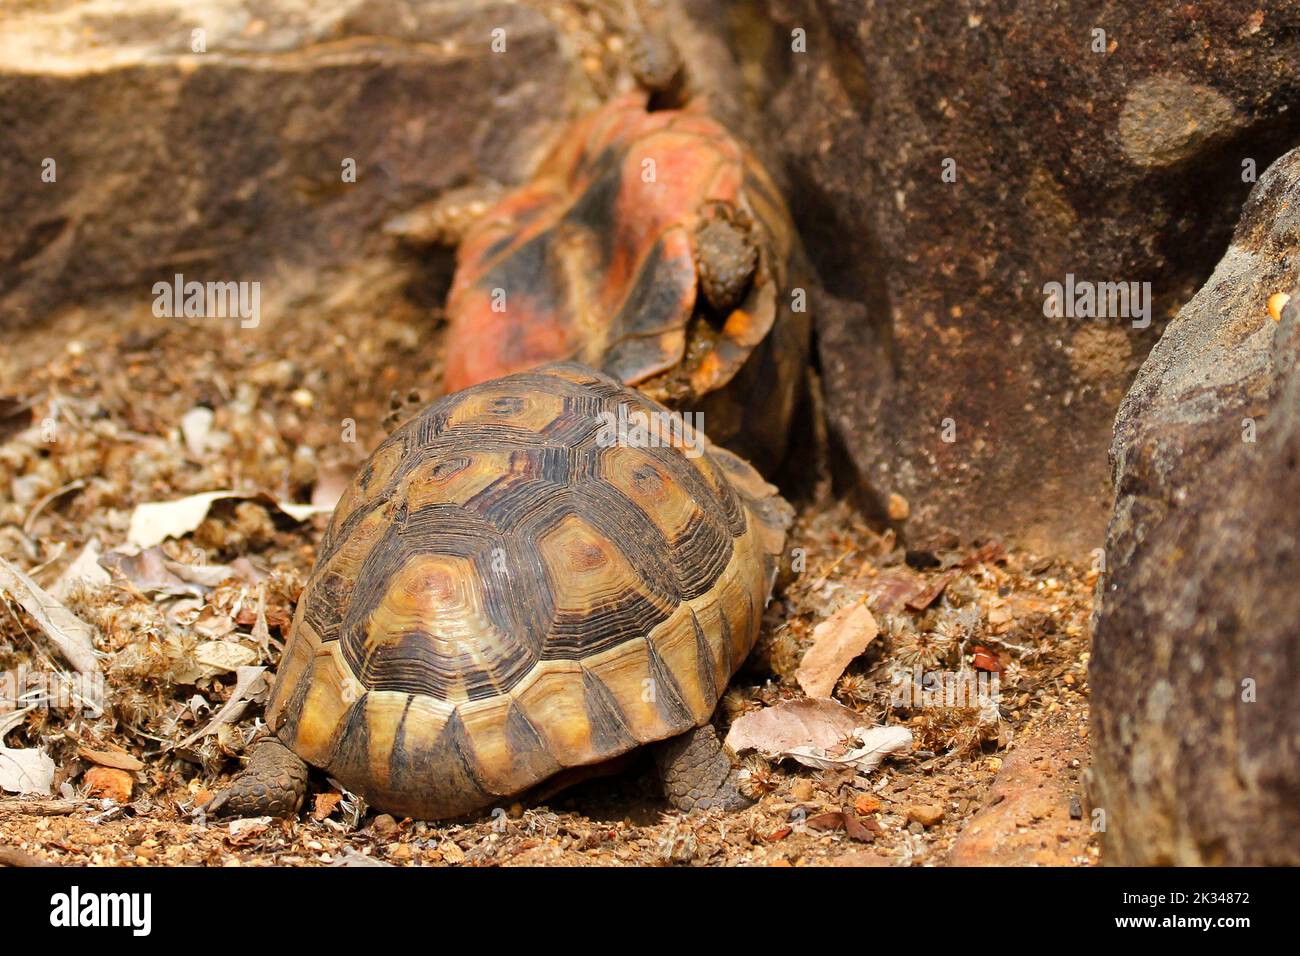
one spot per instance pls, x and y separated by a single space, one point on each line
246 570
212 623
812 732
890 591
863 832
73 637
241 831
876 743
792 723
831 820
84 571
931 592
148 571
986 660
119 760
23 770
836 642
350 856
326 804
155 522
222 657
207 575
248 682
196 428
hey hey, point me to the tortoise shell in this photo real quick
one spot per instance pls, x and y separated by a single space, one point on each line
596 260
515 584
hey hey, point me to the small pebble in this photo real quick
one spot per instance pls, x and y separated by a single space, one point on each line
1276 303
866 803
926 814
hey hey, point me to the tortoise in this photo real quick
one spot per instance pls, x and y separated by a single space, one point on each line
651 244
536 573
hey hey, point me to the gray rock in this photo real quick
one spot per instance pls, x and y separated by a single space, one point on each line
1196 658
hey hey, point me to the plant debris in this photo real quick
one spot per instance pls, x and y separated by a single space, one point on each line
817 733
836 642
114 416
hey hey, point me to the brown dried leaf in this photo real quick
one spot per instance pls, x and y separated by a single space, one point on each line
889 592
836 642
241 831
790 724
117 759
222 657
930 594
326 804
863 832
831 820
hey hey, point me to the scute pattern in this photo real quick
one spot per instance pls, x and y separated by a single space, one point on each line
503 593
596 256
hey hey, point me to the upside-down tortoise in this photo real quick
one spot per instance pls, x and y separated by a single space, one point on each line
537 573
650 244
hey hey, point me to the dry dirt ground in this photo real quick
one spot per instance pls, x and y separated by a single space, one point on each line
100 413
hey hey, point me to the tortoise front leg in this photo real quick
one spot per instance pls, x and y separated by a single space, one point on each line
697 774
273 784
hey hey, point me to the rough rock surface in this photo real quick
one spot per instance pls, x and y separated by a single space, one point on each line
228 164
1196 658
1027 820
1121 165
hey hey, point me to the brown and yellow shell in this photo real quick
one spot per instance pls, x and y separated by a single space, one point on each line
595 260
515 584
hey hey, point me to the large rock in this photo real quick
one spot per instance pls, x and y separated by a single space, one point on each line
1196 659
1124 165
228 164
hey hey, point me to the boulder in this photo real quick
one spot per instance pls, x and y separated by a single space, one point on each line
1111 146
1196 658
234 140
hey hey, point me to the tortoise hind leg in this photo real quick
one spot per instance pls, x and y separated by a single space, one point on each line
273 784
696 773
